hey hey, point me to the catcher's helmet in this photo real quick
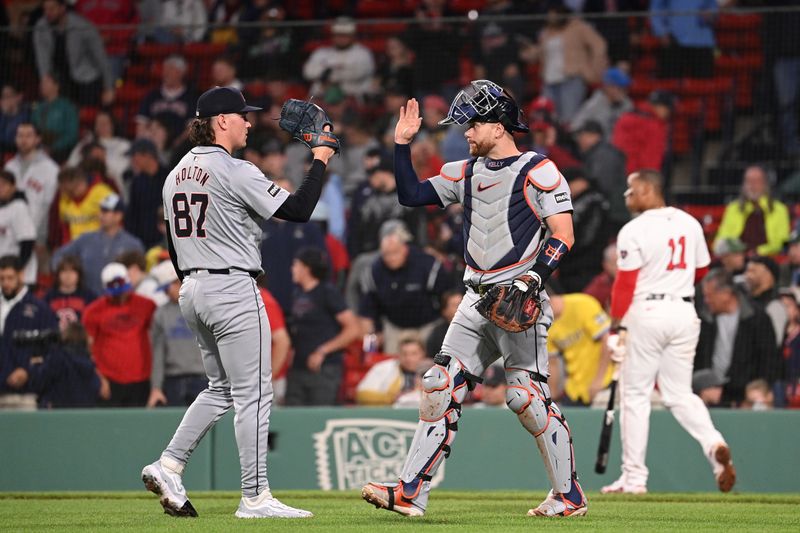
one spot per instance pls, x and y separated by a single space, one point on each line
485 101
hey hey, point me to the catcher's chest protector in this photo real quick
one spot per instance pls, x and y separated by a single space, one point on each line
501 229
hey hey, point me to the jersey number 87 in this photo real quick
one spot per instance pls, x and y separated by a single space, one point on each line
183 222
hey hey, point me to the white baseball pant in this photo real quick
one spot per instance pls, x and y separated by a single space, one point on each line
661 342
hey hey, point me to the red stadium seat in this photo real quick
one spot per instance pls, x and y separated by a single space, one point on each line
86 117
150 52
356 365
731 22
385 29
464 6
642 87
648 43
377 45
384 8
256 89
204 51
131 94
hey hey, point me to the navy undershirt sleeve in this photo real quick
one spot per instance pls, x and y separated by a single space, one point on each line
410 191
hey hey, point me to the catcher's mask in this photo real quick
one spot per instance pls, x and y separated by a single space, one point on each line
485 101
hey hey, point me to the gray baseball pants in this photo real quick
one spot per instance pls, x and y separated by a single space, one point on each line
227 315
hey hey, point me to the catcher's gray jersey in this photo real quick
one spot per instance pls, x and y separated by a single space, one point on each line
213 203
505 202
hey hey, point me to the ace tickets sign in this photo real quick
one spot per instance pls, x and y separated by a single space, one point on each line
351 452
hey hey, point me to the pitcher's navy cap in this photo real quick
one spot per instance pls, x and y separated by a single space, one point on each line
222 100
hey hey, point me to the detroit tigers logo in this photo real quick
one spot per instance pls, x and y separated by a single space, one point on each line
553 253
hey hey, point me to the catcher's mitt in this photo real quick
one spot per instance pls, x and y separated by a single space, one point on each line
306 122
510 308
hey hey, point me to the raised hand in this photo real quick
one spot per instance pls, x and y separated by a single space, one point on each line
409 122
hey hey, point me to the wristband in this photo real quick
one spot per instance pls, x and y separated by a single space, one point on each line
549 257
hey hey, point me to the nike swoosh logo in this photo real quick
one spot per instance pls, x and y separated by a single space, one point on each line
481 188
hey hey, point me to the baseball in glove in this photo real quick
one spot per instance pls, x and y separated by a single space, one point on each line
306 122
514 307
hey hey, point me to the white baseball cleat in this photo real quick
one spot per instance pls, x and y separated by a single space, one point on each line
558 505
168 486
267 506
621 487
724 472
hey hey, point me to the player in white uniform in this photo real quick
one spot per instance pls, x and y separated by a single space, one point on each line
213 204
517 227
17 229
661 254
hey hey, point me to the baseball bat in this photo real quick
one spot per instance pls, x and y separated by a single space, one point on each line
608 422
607 430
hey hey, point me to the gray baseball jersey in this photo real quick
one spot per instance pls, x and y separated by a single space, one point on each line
505 203
213 203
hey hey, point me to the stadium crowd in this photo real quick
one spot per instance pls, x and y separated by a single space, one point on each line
91 122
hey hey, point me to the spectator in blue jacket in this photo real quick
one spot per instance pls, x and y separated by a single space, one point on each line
687 38
402 293
146 178
13 112
66 376
96 249
20 314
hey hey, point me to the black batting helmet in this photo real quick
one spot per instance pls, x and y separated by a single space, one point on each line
485 101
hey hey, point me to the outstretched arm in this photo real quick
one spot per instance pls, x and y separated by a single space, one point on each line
410 191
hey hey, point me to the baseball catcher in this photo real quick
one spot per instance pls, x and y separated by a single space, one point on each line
517 228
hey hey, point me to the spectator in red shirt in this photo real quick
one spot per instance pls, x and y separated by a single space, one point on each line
281 344
118 326
600 286
641 134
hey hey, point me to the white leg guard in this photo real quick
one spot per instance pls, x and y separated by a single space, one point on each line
542 418
444 387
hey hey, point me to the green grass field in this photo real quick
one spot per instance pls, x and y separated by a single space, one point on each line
448 511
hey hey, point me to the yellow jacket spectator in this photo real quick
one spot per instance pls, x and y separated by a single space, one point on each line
79 203
756 218
389 380
577 337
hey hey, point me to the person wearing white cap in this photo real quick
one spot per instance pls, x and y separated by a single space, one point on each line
346 63
117 325
96 249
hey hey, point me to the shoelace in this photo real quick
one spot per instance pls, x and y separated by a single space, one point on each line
283 507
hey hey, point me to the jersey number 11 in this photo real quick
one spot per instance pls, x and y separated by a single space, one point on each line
677 259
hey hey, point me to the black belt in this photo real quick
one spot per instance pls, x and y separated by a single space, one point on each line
225 271
480 290
663 296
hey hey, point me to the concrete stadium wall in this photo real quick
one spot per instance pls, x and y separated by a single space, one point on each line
342 448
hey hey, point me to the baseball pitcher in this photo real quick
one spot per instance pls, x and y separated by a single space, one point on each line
517 228
213 203
661 254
